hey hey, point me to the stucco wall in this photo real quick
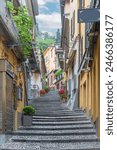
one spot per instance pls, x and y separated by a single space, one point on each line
90 87
11 58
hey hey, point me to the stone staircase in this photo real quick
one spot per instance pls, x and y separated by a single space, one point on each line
54 127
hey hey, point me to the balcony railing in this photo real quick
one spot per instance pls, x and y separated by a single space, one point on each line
7 22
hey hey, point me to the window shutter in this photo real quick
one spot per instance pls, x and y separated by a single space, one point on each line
73 22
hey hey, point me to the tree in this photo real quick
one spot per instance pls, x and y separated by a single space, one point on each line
46 35
47 41
58 37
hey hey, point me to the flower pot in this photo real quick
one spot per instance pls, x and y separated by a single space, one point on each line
27 120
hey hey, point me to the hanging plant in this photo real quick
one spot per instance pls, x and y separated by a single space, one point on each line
24 25
58 72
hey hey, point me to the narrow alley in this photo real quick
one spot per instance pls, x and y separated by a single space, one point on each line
50 74
54 127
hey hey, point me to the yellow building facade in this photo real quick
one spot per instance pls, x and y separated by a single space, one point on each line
89 88
89 76
12 89
82 59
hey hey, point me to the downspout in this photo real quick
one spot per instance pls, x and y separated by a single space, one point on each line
25 83
79 48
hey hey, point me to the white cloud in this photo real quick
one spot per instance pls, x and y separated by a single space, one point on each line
49 21
43 7
43 2
50 33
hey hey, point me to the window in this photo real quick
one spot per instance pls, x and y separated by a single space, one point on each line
82 4
73 25
73 22
60 55
19 92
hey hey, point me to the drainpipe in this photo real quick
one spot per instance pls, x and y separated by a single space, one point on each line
25 83
79 48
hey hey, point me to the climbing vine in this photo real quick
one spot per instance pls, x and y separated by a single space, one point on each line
24 25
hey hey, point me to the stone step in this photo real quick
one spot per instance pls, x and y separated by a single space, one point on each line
51 146
62 122
51 100
58 139
56 132
54 127
48 101
52 107
66 127
49 109
49 104
59 119
57 113
53 110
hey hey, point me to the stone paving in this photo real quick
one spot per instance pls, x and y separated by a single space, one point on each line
54 127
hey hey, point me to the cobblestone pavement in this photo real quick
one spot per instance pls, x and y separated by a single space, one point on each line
54 127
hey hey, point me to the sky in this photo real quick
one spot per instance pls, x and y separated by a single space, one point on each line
49 19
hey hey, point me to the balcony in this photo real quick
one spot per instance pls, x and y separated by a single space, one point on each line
34 64
7 26
58 78
58 75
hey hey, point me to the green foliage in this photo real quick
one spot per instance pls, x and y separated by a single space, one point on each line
28 110
58 72
46 88
43 43
44 78
24 25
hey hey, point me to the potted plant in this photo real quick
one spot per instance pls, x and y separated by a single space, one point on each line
42 92
63 97
28 112
46 88
61 91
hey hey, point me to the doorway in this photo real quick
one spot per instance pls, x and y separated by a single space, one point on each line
9 114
